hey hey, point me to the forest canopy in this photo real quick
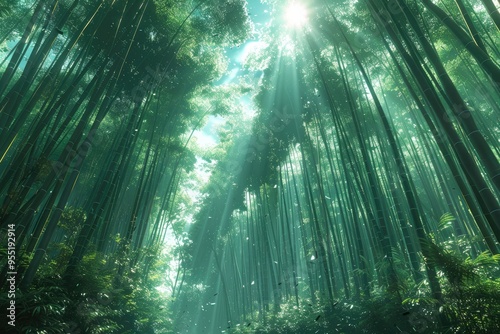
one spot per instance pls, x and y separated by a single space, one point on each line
258 166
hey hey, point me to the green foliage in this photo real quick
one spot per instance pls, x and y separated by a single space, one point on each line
454 269
305 318
71 219
225 21
470 304
5 8
445 221
474 308
471 296
40 309
383 312
92 301
125 305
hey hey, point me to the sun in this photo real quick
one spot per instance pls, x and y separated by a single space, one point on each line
296 15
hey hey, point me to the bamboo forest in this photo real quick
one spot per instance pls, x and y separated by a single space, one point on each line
250 166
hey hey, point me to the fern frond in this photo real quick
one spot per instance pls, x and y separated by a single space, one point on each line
455 269
485 259
445 221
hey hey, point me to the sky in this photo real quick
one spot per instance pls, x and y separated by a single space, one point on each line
259 14
207 137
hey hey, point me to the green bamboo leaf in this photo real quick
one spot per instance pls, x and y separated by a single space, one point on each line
445 221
